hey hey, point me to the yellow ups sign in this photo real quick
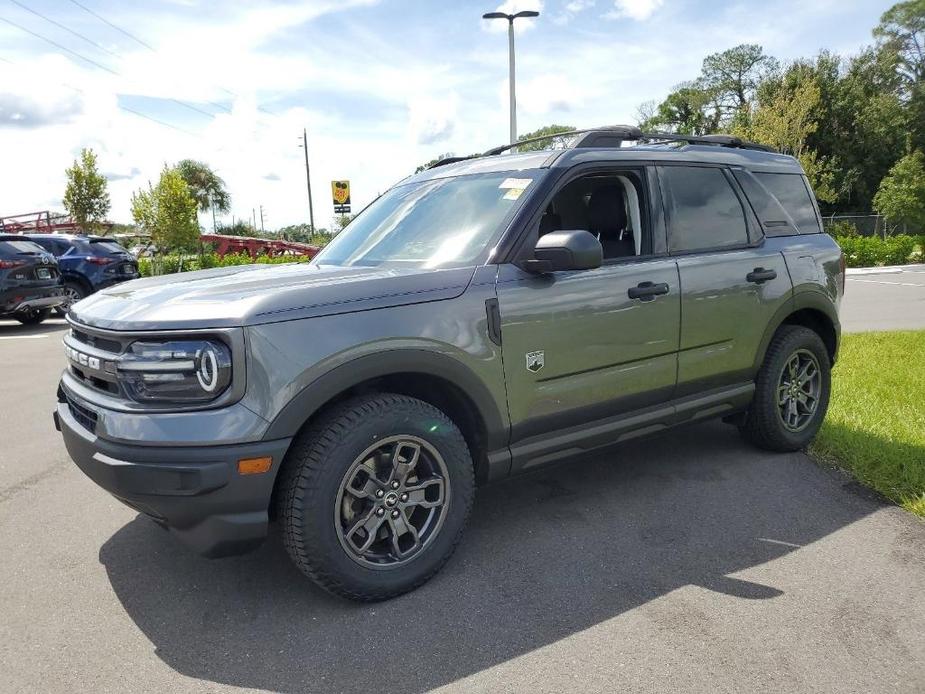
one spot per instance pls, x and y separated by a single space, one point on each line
340 192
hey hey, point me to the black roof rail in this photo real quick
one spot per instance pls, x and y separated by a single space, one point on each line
718 139
615 136
616 133
451 160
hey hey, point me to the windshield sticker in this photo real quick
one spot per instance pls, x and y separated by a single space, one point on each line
512 194
519 183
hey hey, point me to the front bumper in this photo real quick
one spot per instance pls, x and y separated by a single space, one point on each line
195 491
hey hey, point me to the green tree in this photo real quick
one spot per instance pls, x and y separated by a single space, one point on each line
341 221
167 212
785 120
550 131
903 27
689 110
902 32
732 77
901 195
85 197
206 187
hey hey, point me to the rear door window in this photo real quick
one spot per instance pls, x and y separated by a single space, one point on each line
793 194
704 211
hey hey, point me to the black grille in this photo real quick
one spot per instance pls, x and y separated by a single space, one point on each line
98 342
86 418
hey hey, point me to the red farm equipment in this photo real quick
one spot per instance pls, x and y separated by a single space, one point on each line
253 246
43 222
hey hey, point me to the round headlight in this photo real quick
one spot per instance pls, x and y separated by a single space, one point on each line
207 369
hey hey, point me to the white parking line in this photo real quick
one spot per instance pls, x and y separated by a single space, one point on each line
898 284
22 337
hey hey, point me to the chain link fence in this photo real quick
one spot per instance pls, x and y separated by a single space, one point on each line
865 225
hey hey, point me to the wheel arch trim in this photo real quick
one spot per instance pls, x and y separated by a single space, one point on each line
327 387
812 300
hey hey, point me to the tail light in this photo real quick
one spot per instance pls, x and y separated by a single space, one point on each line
8 264
96 260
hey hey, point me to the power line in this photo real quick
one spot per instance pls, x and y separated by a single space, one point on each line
154 50
59 46
65 28
120 106
119 29
93 62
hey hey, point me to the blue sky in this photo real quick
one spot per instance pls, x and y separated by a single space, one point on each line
381 86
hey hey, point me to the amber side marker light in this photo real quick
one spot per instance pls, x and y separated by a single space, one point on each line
254 466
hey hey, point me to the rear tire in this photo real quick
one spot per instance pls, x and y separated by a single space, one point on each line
791 392
33 317
390 463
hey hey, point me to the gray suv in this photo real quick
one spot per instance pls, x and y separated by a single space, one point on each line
480 319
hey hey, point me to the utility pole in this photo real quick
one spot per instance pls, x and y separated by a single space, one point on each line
308 181
254 219
510 43
261 219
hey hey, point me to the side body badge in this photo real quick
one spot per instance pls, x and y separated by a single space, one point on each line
536 361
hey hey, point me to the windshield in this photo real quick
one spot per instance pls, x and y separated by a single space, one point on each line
439 223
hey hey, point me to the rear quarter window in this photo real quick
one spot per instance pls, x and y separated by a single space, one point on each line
794 196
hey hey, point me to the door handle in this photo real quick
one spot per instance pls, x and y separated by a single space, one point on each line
760 275
647 291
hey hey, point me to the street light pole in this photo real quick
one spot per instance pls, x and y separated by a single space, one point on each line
308 182
510 42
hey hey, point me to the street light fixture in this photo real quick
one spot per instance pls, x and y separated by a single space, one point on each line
510 39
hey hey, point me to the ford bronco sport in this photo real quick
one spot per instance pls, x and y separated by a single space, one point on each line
482 318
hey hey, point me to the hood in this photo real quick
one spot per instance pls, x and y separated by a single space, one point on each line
254 294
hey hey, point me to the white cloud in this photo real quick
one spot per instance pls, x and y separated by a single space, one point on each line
432 120
576 6
378 98
634 9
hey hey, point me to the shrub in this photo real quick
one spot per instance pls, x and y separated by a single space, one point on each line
168 264
842 229
870 251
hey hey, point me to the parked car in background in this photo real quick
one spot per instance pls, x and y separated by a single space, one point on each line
87 264
30 283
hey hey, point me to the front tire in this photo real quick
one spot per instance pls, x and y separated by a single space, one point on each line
791 392
33 317
375 496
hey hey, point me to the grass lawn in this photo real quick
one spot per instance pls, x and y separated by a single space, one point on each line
875 427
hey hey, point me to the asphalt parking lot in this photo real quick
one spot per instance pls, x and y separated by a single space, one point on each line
689 562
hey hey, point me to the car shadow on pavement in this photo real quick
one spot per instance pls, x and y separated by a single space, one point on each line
17 329
546 555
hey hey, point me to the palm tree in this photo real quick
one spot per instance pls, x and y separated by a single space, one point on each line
206 186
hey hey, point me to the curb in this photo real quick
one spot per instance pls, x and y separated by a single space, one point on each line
886 269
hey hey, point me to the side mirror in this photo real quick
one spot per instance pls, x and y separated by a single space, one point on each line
566 250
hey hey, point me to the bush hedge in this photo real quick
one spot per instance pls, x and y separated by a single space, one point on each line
870 251
168 264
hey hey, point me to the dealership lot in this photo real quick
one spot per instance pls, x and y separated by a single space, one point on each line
687 562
